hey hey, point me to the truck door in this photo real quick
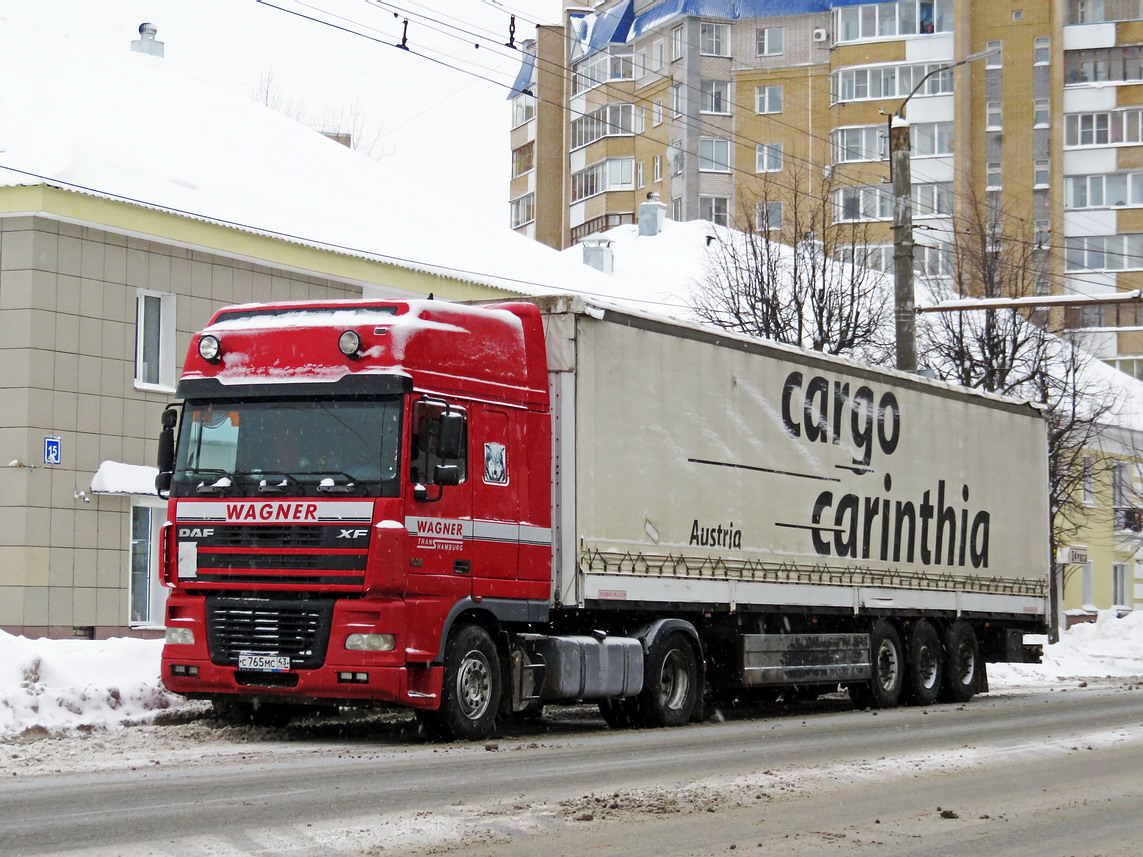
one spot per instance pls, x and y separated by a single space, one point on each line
439 499
495 506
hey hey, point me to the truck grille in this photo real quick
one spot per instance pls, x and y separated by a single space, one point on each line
299 629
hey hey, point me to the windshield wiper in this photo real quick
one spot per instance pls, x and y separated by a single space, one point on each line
221 485
265 478
329 486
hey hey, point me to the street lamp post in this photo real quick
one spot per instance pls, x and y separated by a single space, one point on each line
900 149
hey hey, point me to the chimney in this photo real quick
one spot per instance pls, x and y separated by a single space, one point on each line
597 253
147 43
651 214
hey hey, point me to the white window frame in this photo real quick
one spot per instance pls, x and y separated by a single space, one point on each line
1120 593
162 378
714 155
1042 50
1041 112
639 183
657 169
994 116
714 39
677 43
769 99
993 176
657 112
523 109
715 96
768 158
859 143
995 59
765 215
522 210
717 207
769 41
1041 173
152 613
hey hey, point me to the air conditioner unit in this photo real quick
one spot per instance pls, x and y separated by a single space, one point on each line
820 34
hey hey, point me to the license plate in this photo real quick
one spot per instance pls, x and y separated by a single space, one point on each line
264 663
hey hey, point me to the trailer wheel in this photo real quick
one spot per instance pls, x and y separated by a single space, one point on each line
883 690
671 679
925 665
470 695
963 669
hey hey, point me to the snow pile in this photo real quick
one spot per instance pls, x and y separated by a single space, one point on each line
64 685
59 686
1106 648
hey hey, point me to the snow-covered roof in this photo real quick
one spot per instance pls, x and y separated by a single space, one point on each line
128 126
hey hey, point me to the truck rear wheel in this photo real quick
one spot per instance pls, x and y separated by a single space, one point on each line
963 669
925 665
883 690
670 684
470 695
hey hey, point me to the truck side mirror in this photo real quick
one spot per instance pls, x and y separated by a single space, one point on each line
446 474
451 435
166 456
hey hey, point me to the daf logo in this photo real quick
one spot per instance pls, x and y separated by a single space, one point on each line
195 532
353 534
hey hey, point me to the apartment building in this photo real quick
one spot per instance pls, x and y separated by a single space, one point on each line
773 116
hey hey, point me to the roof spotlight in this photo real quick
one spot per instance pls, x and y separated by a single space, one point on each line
209 348
349 344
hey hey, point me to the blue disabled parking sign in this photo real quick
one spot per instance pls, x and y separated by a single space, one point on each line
53 451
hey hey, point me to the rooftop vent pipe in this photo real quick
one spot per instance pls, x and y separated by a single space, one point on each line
147 43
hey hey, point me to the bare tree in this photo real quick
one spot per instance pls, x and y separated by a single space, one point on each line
348 125
784 278
1025 355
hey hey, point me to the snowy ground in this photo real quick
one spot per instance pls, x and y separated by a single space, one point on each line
57 689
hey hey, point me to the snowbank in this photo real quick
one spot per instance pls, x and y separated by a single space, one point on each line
65 685
58 686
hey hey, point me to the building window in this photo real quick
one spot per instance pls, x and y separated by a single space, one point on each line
677 209
768 99
714 155
715 96
523 210
146 598
1104 129
610 120
640 63
716 209
1104 252
1113 190
1089 12
523 159
154 340
768 158
1017 14
1119 585
677 43
992 178
676 157
1040 177
639 175
1097 65
862 203
677 99
769 41
888 20
714 39
1088 481
602 67
612 174
866 143
996 58
1042 288
1040 113
523 109
1042 50
890 81
657 168
993 114
1043 238
768 216
932 200
657 55
657 112
931 139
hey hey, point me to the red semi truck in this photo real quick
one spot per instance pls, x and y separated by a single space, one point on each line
474 511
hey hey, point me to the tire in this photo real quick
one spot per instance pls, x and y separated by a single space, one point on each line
670 682
242 713
924 665
962 670
470 693
883 690
619 713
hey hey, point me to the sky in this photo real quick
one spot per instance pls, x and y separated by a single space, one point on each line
60 686
434 120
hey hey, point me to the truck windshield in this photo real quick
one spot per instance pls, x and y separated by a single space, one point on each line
293 447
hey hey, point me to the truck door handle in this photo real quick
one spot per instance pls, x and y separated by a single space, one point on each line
461 566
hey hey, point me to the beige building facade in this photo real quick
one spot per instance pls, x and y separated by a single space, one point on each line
98 301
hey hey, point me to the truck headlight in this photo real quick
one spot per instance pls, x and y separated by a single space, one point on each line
209 348
371 642
180 637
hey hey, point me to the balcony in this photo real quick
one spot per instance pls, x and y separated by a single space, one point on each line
601 224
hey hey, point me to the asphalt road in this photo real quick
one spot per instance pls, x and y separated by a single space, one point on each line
1038 774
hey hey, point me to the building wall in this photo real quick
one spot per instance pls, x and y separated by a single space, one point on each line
68 327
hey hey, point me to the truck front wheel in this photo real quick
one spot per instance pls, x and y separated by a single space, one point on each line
470 695
883 690
671 682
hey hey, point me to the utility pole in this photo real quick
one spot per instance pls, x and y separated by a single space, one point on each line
900 150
